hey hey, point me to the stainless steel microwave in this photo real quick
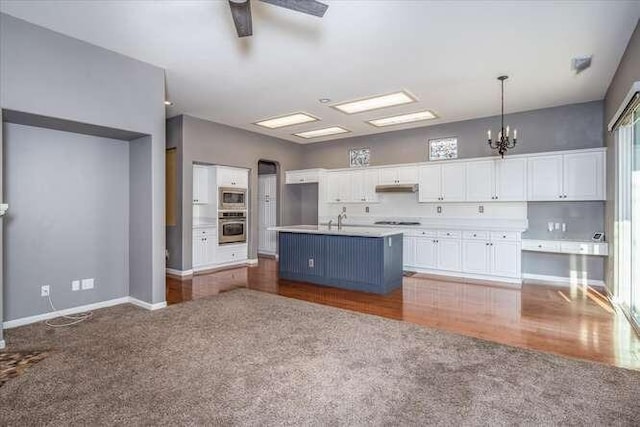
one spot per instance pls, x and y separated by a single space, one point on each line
232 198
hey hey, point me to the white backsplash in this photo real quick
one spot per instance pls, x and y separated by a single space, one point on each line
405 206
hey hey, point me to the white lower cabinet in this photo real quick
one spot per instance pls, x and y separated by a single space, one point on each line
231 253
449 252
426 252
204 242
206 253
480 254
497 256
505 258
476 257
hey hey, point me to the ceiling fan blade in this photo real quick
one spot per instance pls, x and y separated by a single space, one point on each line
310 7
241 13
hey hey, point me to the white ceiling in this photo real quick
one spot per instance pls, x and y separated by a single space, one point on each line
446 53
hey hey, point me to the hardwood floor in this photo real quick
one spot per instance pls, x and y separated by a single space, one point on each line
573 322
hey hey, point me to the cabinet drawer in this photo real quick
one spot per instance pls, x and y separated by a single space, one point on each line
576 247
475 235
507 235
205 231
231 253
541 245
449 234
421 233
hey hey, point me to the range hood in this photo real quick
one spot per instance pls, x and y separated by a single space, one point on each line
397 188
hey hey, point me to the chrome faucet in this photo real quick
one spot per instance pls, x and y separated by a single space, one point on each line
330 224
342 216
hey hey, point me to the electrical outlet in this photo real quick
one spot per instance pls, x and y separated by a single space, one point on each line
311 262
87 284
480 209
439 209
344 209
366 209
75 285
44 291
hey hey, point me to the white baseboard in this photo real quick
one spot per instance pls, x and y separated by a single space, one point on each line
224 266
2 344
179 273
511 281
81 309
543 279
147 305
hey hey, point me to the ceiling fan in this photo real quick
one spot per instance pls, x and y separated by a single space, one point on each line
241 11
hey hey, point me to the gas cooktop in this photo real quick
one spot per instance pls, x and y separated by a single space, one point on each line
396 223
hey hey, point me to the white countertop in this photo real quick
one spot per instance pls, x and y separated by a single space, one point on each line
345 231
448 224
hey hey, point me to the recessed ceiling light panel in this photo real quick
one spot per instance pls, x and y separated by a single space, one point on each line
403 118
316 133
288 120
375 102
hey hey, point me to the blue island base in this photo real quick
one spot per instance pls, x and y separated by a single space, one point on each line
368 264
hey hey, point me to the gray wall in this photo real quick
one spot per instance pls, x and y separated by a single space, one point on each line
628 72
560 128
213 143
70 196
46 73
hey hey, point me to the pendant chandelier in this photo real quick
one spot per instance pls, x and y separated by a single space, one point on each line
503 143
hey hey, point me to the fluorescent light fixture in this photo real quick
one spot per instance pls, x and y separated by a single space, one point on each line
403 118
334 130
289 120
375 102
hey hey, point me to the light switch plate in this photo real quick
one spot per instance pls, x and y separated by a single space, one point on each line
87 284
75 285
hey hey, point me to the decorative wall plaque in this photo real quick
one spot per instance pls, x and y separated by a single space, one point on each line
443 148
359 157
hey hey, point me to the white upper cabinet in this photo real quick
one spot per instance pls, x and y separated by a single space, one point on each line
571 176
303 176
363 185
500 180
584 176
445 182
453 182
511 179
200 184
232 177
429 183
545 178
399 175
480 181
338 187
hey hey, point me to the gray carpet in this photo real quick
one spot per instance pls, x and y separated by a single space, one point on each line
250 358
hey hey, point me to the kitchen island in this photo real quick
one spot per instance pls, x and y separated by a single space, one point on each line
357 258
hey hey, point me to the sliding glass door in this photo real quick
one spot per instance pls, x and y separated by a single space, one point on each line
635 216
627 226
